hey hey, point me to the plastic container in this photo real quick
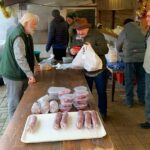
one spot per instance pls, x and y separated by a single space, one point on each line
53 92
81 106
64 108
64 91
81 94
66 98
80 88
67 60
66 104
80 101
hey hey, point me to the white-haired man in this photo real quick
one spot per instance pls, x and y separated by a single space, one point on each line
17 63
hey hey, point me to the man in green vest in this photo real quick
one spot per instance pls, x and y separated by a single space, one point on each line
17 62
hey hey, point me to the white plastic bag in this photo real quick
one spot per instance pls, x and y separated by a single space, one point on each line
112 56
87 59
92 61
78 61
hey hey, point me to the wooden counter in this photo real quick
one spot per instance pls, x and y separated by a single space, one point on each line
68 78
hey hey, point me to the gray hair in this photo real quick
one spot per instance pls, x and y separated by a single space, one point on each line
27 17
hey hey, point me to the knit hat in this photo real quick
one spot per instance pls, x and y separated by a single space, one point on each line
55 13
81 23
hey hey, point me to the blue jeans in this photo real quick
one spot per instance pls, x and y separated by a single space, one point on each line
100 83
134 71
147 96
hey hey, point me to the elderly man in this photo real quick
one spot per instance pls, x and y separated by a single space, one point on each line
146 65
17 63
93 37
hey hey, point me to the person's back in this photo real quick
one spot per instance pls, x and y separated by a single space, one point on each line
61 31
132 42
58 35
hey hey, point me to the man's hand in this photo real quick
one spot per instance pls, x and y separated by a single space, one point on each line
31 80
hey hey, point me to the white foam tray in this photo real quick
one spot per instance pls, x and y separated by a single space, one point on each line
44 131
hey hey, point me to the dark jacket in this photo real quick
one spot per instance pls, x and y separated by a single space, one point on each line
9 67
58 35
131 42
98 43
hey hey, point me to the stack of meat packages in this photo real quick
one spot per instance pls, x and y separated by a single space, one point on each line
81 97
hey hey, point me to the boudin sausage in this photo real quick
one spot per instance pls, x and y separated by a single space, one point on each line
95 121
80 119
88 120
31 124
64 120
53 106
57 120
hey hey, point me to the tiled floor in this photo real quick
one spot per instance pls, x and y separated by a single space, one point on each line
3 109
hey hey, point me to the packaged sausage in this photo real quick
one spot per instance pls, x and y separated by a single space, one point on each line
36 108
31 124
64 120
81 106
81 94
95 120
80 100
57 120
80 119
66 98
88 120
44 107
64 108
53 106
64 91
44 98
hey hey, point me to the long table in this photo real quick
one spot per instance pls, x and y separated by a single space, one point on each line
68 78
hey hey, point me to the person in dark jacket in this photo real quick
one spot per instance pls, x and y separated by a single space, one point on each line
17 62
86 35
58 35
131 42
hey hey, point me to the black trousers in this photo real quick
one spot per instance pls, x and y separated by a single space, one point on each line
1 81
59 53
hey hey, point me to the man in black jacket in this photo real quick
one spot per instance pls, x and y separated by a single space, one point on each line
58 35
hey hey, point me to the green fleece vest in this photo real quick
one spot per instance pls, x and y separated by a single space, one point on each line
8 64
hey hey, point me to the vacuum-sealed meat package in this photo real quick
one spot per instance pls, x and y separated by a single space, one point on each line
54 106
